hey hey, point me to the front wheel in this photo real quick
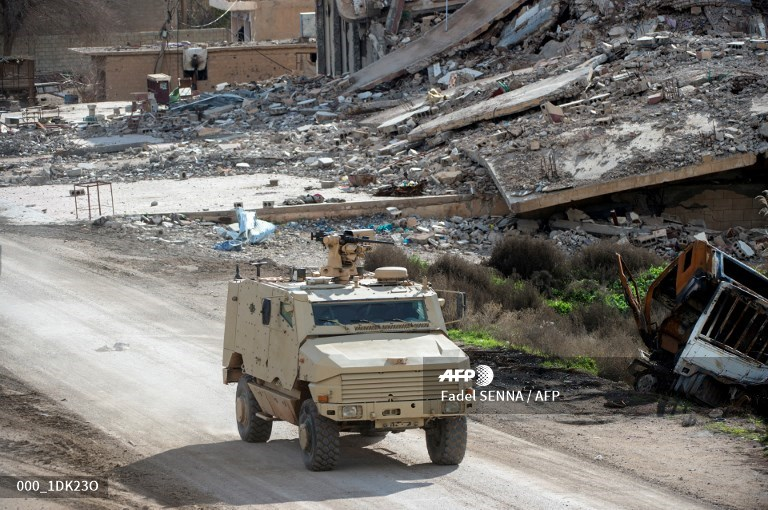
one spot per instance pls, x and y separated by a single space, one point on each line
447 440
251 428
318 437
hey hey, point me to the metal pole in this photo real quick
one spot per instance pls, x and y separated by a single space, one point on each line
98 196
89 201
446 15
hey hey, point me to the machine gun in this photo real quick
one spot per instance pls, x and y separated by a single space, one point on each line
345 250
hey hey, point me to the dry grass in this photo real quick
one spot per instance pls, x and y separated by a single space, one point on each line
386 255
512 310
482 285
524 256
599 262
612 345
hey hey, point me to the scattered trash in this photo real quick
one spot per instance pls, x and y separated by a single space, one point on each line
228 246
247 229
406 189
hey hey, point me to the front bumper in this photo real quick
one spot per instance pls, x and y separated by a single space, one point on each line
395 415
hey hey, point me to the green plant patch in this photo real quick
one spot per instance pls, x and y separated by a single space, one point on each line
560 306
476 338
418 262
754 430
615 296
579 363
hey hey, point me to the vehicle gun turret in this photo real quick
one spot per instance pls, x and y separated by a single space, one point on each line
345 250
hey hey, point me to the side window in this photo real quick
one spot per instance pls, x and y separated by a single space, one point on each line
286 312
266 311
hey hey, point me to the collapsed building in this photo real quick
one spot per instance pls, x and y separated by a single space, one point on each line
655 108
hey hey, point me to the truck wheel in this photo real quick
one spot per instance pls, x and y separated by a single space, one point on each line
318 437
647 382
252 428
447 440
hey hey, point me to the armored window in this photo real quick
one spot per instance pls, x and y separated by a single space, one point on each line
286 312
355 312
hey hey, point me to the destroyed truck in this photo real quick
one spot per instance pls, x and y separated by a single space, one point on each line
344 351
705 322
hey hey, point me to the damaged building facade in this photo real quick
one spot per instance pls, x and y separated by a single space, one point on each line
352 34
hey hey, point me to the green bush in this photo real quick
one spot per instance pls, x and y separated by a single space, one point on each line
644 280
561 307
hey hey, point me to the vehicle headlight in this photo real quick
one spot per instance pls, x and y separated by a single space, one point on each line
352 411
451 407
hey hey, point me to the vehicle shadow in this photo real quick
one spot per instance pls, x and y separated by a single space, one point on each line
239 473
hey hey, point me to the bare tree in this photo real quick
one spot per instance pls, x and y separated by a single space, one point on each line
23 17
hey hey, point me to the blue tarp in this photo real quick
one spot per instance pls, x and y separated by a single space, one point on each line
247 229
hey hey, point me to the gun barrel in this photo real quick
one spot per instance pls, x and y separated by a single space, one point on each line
352 239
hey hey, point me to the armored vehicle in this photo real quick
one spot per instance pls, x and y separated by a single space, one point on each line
344 351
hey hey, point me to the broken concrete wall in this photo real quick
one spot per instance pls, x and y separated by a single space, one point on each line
353 34
533 20
345 46
719 207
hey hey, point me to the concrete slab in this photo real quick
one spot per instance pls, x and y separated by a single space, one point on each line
540 16
518 100
535 202
465 24
759 105
107 144
401 108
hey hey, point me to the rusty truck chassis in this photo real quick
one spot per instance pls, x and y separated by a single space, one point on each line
705 323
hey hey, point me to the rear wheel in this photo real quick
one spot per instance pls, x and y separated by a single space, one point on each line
251 428
647 382
447 440
318 437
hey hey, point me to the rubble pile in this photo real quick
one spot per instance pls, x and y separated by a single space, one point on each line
428 238
555 95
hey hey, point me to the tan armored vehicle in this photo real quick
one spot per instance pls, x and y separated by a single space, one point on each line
343 351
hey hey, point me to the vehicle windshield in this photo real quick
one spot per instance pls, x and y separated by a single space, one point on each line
361 312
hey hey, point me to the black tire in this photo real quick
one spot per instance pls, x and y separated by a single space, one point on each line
647 382
447 440
251 428
319 438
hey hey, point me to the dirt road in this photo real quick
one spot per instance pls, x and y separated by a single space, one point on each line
137 357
